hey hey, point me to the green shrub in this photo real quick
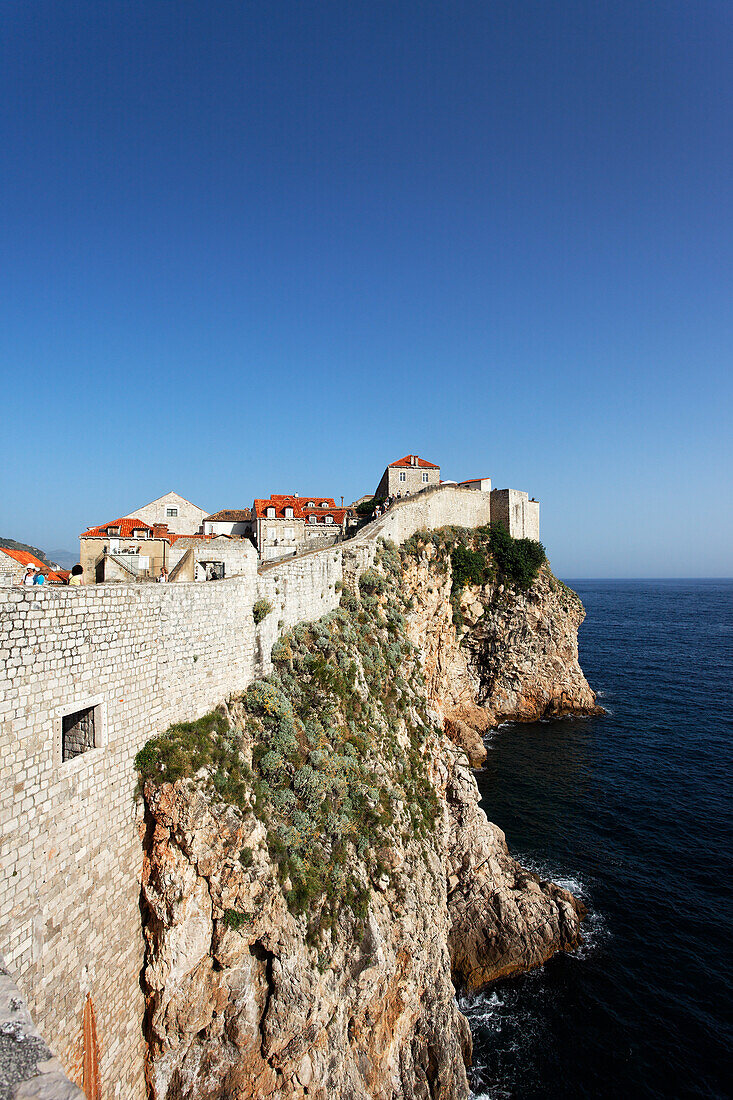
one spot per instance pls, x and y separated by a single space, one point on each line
337 735
261 609
517 560
235 920
372 583
470 567
367 506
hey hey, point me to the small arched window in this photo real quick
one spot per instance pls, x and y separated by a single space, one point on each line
270 513
324 504
310 504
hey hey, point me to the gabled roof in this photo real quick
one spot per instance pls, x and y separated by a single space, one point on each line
126 526
230 515
173 493
407 461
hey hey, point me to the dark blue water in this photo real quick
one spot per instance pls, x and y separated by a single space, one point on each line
633 812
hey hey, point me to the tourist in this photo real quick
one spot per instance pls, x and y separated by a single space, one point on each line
39 577
163 575
76 574
28 577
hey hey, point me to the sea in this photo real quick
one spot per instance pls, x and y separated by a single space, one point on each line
633 812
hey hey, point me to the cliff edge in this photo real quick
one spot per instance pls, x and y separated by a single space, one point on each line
318 873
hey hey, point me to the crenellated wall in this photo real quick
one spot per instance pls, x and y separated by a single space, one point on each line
144 656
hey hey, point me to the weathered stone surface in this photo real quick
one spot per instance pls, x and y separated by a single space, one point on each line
257 1012
263 1014
504 919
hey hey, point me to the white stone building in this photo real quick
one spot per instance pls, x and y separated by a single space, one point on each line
174 510
407 476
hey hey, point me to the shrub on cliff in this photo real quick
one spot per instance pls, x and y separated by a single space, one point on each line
337 735
517 560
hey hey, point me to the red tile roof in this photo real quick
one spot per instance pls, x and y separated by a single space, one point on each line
280 502
126 527
406 461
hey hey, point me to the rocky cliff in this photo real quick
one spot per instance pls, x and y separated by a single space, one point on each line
318 873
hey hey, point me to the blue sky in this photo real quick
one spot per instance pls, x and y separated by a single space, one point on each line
254 247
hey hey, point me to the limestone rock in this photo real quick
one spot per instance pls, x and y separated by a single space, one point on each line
251 1008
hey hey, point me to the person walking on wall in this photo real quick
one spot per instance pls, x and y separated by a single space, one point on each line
163 575
76 573
39 577
28 576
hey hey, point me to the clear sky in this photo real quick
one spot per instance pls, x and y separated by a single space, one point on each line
254 246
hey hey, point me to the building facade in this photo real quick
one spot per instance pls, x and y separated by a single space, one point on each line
407 476
480 484
285 524
175 511
230 521
210 557
125 549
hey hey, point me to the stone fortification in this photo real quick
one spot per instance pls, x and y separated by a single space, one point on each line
141 657
519 514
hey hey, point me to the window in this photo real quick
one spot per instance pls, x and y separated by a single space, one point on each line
113 530
324 504
143 534
403 475
288 513
425 477
329 519
310 504
270 513
289 533
171 511
82 729
313 519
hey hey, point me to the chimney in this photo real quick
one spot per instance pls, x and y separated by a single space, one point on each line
413 460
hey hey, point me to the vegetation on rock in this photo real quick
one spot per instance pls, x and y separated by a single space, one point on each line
261 609
336 736
479 556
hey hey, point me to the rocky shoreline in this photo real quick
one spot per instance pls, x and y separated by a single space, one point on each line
256 987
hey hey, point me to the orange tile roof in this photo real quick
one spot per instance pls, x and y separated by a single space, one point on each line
406 461
126 527
24 558
299 504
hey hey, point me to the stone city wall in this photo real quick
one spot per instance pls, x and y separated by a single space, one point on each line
144 656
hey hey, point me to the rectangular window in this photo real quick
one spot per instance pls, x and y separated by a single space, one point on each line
425 477
78 732
403 475
171 511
